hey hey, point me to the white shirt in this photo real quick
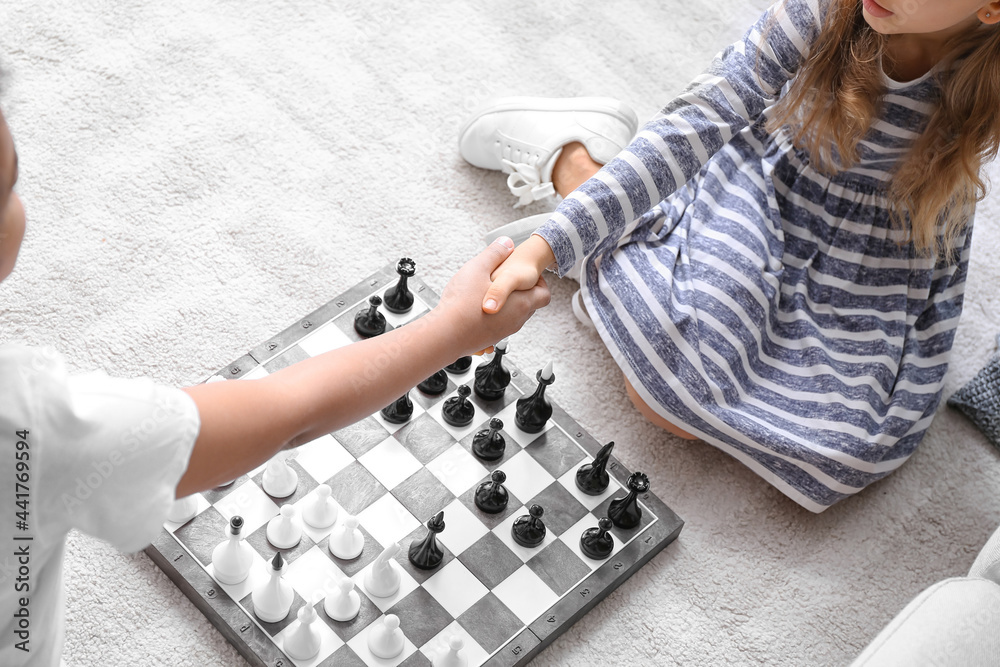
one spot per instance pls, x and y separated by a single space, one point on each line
99 454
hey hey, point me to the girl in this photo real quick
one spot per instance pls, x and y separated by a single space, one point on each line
777 260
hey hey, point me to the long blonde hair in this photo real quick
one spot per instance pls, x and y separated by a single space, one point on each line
838 93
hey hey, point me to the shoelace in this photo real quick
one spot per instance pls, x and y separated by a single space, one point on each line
525 182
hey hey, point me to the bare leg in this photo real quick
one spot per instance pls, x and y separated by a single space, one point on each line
651 416
573 167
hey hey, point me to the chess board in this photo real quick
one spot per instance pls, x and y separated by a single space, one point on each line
507 602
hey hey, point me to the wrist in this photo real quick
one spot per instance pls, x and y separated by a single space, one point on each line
539 252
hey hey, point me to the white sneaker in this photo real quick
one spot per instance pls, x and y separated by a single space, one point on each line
524 136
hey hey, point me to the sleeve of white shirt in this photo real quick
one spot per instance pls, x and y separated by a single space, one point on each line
107 453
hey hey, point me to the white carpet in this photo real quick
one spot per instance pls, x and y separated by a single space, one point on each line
199 174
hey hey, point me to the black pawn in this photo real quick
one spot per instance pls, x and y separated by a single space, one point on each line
427 553
489 444
369 323
459 410
491 496
399 411
459 366
625 512
529 530
435 384
531 412
399 298
491 377
592 478
598 543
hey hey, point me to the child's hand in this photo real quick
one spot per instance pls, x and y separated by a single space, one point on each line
522 270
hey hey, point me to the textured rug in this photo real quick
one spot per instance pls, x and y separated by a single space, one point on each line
199 174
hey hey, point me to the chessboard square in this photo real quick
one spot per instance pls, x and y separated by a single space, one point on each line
360 436
292 355
491 521
421 617
354 488
257 576
525 477
491 408
455 588
568 482
462 527
200 506
218 493
391 427
525 594
302 489
351 567
387 520
359 644
625 535
424 438
508 416
323 458
312 573
479 419
490 623
315 534
571 538
556 452
474 653
274 628
343 657
326 338
403 557
249 502
423 495
406 586
346 630
503 531
202 534
511 448
329 643
258 540
562 510
559 567
389 462
490 560
416 659
457 469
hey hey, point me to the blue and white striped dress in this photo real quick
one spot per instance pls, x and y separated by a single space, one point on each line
751 300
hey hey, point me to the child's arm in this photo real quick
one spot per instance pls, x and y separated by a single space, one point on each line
243 423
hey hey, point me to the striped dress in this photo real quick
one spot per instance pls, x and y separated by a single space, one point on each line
755 302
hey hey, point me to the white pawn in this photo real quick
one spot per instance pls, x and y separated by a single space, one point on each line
385 639
453 655
303 640
231 560
273 599
346 541
342 603
284 531
382 580
279 480
183 509
320 510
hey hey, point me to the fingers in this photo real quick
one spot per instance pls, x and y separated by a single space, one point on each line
499 290
494 254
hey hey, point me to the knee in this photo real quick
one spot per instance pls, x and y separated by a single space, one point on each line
652 416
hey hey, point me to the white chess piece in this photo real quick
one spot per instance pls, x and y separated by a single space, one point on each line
346 541
342 603
284 531
385 639
273 599
303 640
452 655
320 510
382 579
279 480
231 560
183 509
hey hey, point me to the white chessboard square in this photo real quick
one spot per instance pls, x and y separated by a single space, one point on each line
407 584
399 319
315 534
455 588
215 378
568 481
511 590
392 428
524 553
387 520
323 458
464 528
312 573
572 539
526 478
478 420
457 469
255 374
359 644
258 575
201 506
510 426
438 646
329 642
326 338
389 462
249 502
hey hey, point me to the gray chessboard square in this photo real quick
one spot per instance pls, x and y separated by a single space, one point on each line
490 560
425 438
490 622
354 488
556 452
559 567
361 436
421 617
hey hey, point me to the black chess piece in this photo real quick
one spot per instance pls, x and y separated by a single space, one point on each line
592 478
459 366
491 496
529 529
491 377
459 410
399 298
531 412
427 553
625 512
399 411
598 543
435 384
489 444
370 322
